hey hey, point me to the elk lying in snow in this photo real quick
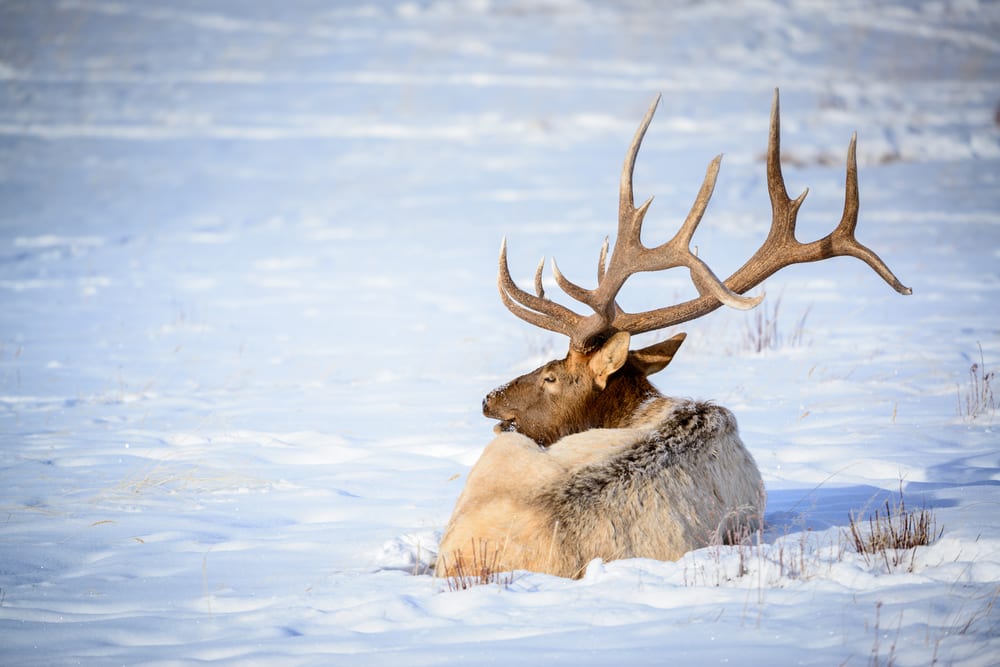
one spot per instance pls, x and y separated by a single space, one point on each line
590 460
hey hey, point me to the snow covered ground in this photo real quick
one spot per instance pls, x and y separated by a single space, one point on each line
248 313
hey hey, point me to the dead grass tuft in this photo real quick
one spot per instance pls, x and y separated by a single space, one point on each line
481 569
761 332
892 534
978 398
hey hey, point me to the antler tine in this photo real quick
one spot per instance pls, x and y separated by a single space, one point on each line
784 210
694 216
629 217
533 309
539 288
602 261
843 235
702 276
569 287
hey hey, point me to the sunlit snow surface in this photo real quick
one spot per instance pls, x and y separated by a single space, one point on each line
248 313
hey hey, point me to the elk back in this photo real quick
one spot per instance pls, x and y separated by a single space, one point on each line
680 481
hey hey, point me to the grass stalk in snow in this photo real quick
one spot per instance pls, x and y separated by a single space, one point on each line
760 331
876 660
893 536
478 570
979 398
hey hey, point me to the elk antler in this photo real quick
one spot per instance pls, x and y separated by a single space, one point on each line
630 256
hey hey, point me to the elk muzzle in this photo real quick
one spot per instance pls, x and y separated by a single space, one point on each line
495 406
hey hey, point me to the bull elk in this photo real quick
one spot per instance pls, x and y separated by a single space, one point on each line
590 460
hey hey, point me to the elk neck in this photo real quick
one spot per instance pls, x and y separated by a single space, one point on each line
624 401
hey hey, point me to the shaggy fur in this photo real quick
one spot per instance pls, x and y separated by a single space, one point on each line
679 479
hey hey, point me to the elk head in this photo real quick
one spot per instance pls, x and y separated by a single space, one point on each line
602 388
600 383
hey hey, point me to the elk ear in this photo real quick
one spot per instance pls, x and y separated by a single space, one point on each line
612 356
655 358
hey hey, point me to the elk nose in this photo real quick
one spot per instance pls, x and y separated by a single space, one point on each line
490 405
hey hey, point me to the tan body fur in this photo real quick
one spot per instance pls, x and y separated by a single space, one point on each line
676 482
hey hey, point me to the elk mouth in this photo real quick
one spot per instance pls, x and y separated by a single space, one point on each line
506 426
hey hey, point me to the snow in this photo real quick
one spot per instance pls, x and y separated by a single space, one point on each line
247 278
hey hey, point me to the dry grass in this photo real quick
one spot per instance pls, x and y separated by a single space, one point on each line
875 659
481 569
892 534
978 398
761 332
888 536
